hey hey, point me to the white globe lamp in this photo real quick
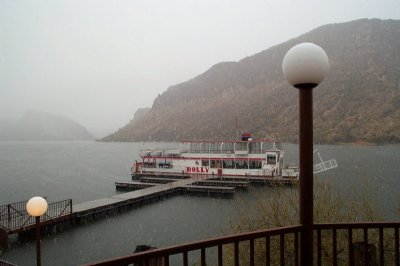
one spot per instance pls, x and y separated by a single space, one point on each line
36 207
304 67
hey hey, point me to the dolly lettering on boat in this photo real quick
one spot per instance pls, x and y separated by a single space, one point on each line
197 169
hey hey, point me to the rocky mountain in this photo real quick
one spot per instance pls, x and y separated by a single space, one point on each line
41 126
359 101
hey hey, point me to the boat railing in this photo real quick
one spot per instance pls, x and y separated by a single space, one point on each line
160 153
219 150
172 152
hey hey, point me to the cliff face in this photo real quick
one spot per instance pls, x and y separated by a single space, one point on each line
41 126
359 101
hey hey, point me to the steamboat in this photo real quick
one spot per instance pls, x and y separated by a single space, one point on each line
258 158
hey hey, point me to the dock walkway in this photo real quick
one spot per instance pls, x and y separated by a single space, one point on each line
15 219
131 198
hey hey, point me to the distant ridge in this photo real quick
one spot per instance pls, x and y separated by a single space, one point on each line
358 102
41 126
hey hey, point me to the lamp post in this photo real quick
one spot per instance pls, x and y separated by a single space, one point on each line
36 207
304 67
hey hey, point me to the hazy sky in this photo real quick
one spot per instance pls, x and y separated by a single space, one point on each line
98 61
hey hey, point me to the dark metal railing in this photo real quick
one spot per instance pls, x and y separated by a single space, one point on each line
13 210
6 263
369 243
286 235
372 243
14 217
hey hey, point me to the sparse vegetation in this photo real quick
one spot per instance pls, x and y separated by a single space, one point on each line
279 207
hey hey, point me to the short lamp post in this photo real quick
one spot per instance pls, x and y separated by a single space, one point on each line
36 207
304 67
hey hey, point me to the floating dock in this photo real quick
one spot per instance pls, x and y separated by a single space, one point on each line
136 176
162 180
127 200
243 185
204 188
148 188
258 180
15 219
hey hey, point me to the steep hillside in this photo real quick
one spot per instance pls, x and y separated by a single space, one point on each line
40 126
359 101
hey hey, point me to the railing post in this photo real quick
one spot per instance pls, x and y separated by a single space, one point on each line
251 252
306 176
9 212
38 255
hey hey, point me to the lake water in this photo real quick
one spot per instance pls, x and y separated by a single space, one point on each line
86 171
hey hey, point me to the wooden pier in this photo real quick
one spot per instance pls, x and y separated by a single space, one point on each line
136 176
205 188
243 185
162 180
152 192
258 180
149 188
133 185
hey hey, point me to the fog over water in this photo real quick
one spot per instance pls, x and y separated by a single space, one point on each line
98 61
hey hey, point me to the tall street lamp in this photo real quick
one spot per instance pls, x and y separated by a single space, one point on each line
36 207
304 67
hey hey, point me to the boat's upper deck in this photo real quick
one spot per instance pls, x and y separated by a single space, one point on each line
239 148
233 147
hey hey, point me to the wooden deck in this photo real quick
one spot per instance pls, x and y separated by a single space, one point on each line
133 198
258 180
14 218
133 185
236 184
162 180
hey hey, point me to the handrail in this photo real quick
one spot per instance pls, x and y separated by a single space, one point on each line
184 249
6 263
356 225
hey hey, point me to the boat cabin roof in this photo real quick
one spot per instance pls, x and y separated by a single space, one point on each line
228 141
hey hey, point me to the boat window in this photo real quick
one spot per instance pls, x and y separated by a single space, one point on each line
215 163
229 164
271 159
165 163
241 164
255 164
149 164
204 163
